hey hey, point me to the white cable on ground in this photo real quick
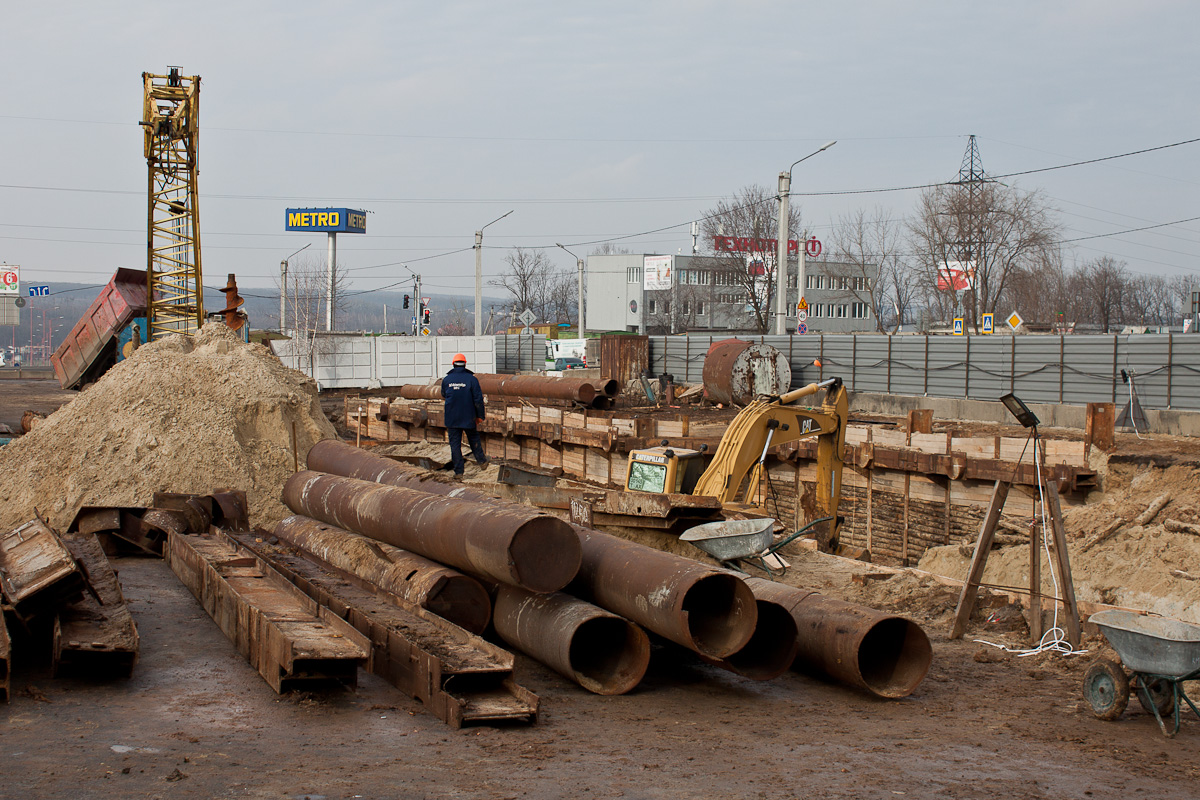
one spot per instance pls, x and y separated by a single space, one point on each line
1132 415
1054 639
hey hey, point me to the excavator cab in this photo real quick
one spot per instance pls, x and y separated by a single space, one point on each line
665 470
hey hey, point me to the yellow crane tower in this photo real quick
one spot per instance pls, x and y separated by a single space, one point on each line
170 119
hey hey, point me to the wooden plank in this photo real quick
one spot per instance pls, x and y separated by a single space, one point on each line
889 438
855 434
5 661
668 429
928 442
1062 564
983 546
461 678
95 635
291 640
1035 587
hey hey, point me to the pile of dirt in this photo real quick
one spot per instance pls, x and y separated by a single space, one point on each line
183 414
1140 566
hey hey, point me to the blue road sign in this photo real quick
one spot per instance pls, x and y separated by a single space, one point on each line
987 323
958 327
39 291
802 329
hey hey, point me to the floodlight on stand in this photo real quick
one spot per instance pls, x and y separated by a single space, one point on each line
1019 410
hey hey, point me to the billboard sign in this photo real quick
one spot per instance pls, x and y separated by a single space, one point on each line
326 220
956 276
10 279
656 273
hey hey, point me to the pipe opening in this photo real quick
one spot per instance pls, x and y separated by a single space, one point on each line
463 601
610 387
772 648
720 612
544 554
894 657
609 655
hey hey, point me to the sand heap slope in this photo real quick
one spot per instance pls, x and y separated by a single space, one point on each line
183 414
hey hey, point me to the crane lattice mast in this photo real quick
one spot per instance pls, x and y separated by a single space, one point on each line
170 118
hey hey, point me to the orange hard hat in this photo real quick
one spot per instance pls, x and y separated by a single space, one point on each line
459 357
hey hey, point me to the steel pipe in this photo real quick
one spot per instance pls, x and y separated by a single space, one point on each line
704 609
600 651
446 592
770 651
420 391
887 655
509 545
579 389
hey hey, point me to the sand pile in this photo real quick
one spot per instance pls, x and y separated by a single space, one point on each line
1138 566
183 414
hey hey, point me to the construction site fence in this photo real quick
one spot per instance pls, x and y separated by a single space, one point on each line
348 361
1072 369
520 352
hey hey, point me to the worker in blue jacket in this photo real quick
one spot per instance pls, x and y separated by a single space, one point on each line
464 410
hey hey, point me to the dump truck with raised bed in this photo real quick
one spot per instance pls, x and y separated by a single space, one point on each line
92 346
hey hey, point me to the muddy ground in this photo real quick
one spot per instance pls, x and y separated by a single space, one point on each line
196 721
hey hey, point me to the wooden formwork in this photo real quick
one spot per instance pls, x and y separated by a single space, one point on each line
904 491
293 642
37 572
461 678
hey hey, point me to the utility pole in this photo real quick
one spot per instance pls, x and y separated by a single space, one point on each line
695 238
971 246
283 265
781 248
479 274
580 267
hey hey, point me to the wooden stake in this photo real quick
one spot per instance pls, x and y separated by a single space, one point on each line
1062 563
983 546
1035 583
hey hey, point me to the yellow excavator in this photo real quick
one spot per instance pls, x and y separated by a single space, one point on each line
738 463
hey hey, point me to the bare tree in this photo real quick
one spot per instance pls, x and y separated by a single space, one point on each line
867 251
533 282
1106 280
996 228
609 249
309 287
741 233
459 322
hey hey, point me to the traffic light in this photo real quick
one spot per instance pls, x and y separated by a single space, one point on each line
426 319
406 301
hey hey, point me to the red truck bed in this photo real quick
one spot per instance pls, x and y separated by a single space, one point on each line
91 346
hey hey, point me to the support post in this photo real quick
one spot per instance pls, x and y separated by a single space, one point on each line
983 546
781 246
1061 563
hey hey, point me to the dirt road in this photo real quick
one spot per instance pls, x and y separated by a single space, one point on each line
197 721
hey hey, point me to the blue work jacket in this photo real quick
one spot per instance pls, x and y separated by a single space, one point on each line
464 398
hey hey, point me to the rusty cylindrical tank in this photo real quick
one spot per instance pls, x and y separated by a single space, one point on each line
770 651
707 610
509 545
887 655
598 650
737 371
444 591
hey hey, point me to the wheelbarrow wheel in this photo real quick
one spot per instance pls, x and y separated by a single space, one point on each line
1162 695
1106 688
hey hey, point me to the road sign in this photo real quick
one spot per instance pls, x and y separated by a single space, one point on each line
414 320
10 279
39 291
424 301
802 316
802 305
812 248
424 331
987 323
1014 320
958 327
802 328
527 316
20 302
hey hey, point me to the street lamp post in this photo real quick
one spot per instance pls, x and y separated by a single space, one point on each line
579 266
785 188
283 270
479 274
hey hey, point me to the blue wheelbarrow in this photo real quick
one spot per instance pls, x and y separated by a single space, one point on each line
1160 654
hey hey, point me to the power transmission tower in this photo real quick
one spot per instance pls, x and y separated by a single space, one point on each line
170 111
970 246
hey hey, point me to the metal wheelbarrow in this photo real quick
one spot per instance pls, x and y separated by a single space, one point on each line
1160 653
749 539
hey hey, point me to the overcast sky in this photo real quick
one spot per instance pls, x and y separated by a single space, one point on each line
593 124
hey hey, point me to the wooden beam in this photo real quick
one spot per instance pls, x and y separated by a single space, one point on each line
983 546
95 635
1061 564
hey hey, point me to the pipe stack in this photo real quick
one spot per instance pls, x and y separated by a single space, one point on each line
754 627
593 392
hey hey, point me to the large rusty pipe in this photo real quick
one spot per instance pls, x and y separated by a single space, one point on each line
707 610
770 651
887 655
446 592
509 545
420 391
600 651
737 371
704 609
579 389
